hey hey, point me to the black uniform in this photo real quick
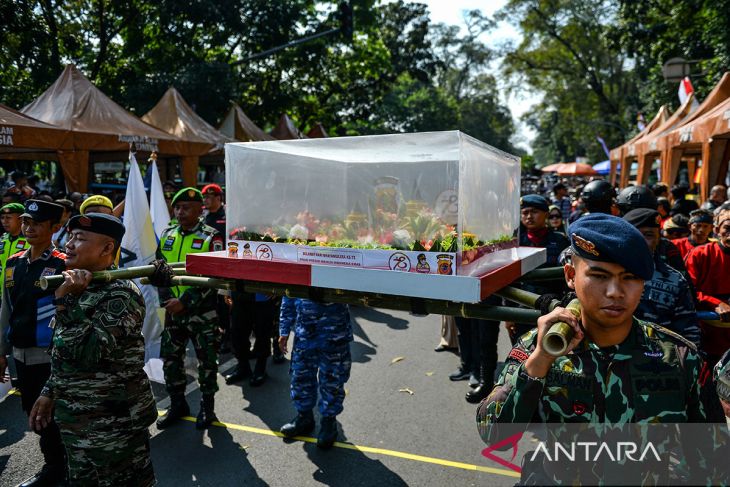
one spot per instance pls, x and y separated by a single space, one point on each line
217 220
554 243
25 320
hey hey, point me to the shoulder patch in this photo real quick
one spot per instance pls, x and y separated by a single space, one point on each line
655 332
519 355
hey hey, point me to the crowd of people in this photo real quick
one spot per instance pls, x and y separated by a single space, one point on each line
642 262
78 351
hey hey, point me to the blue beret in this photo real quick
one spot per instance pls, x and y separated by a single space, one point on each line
607 238
534 201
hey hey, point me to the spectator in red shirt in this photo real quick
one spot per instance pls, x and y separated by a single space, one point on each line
709 268
700 228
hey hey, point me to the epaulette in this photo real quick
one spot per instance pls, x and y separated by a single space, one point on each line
671 334
209 230
529 339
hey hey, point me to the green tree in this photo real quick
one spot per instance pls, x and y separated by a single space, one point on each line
587 85
652 32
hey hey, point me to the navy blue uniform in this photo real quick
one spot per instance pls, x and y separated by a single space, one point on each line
321 353
668 301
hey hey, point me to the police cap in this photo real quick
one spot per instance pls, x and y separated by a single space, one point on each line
644 217
607 238
100 223
12 208
96 200
635 197
41 211
187 194
534 201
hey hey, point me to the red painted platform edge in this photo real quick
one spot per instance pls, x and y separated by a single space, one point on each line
499 278
249 269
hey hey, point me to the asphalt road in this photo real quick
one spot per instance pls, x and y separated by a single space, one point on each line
404 423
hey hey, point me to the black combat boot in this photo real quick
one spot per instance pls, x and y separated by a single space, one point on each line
241 372
485 386
327 432
276 352
206 416
178 409
303 423
49 475
259 373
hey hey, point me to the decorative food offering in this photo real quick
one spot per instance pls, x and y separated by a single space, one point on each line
431 203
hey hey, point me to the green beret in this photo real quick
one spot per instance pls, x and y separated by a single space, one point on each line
187 194
13 208
100 223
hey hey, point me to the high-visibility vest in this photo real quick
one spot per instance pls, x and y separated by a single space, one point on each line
175 244
9 247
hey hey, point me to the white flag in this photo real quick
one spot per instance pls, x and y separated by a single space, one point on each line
138 248
158 206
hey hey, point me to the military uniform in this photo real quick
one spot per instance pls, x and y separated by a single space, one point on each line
668 301
25 318
103 400
199 320
320 355
650 377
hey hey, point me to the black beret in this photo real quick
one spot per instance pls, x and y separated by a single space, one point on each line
188 194
607 238
644 217
534 201
40 210
100 223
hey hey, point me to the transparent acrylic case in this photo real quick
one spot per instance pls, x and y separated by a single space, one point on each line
432 203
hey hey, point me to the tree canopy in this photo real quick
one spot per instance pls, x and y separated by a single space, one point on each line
400 72
597 64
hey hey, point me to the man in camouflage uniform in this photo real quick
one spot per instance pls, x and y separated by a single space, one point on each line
320 358
616 369
102 397
721 375
668 299
191 312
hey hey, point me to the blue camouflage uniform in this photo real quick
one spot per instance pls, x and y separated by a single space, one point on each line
321 350
669 301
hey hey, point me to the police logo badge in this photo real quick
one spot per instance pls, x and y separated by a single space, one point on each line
33 207
169 241
48 271
585 245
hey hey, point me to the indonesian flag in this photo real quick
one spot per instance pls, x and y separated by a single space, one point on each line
685 88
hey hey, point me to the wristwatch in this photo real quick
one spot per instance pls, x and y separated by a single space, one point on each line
66 300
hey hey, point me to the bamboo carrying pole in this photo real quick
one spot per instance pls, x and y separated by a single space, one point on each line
52 282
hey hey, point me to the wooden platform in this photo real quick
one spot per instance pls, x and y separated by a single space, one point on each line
465 289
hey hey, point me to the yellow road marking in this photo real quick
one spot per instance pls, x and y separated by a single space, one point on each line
367 449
